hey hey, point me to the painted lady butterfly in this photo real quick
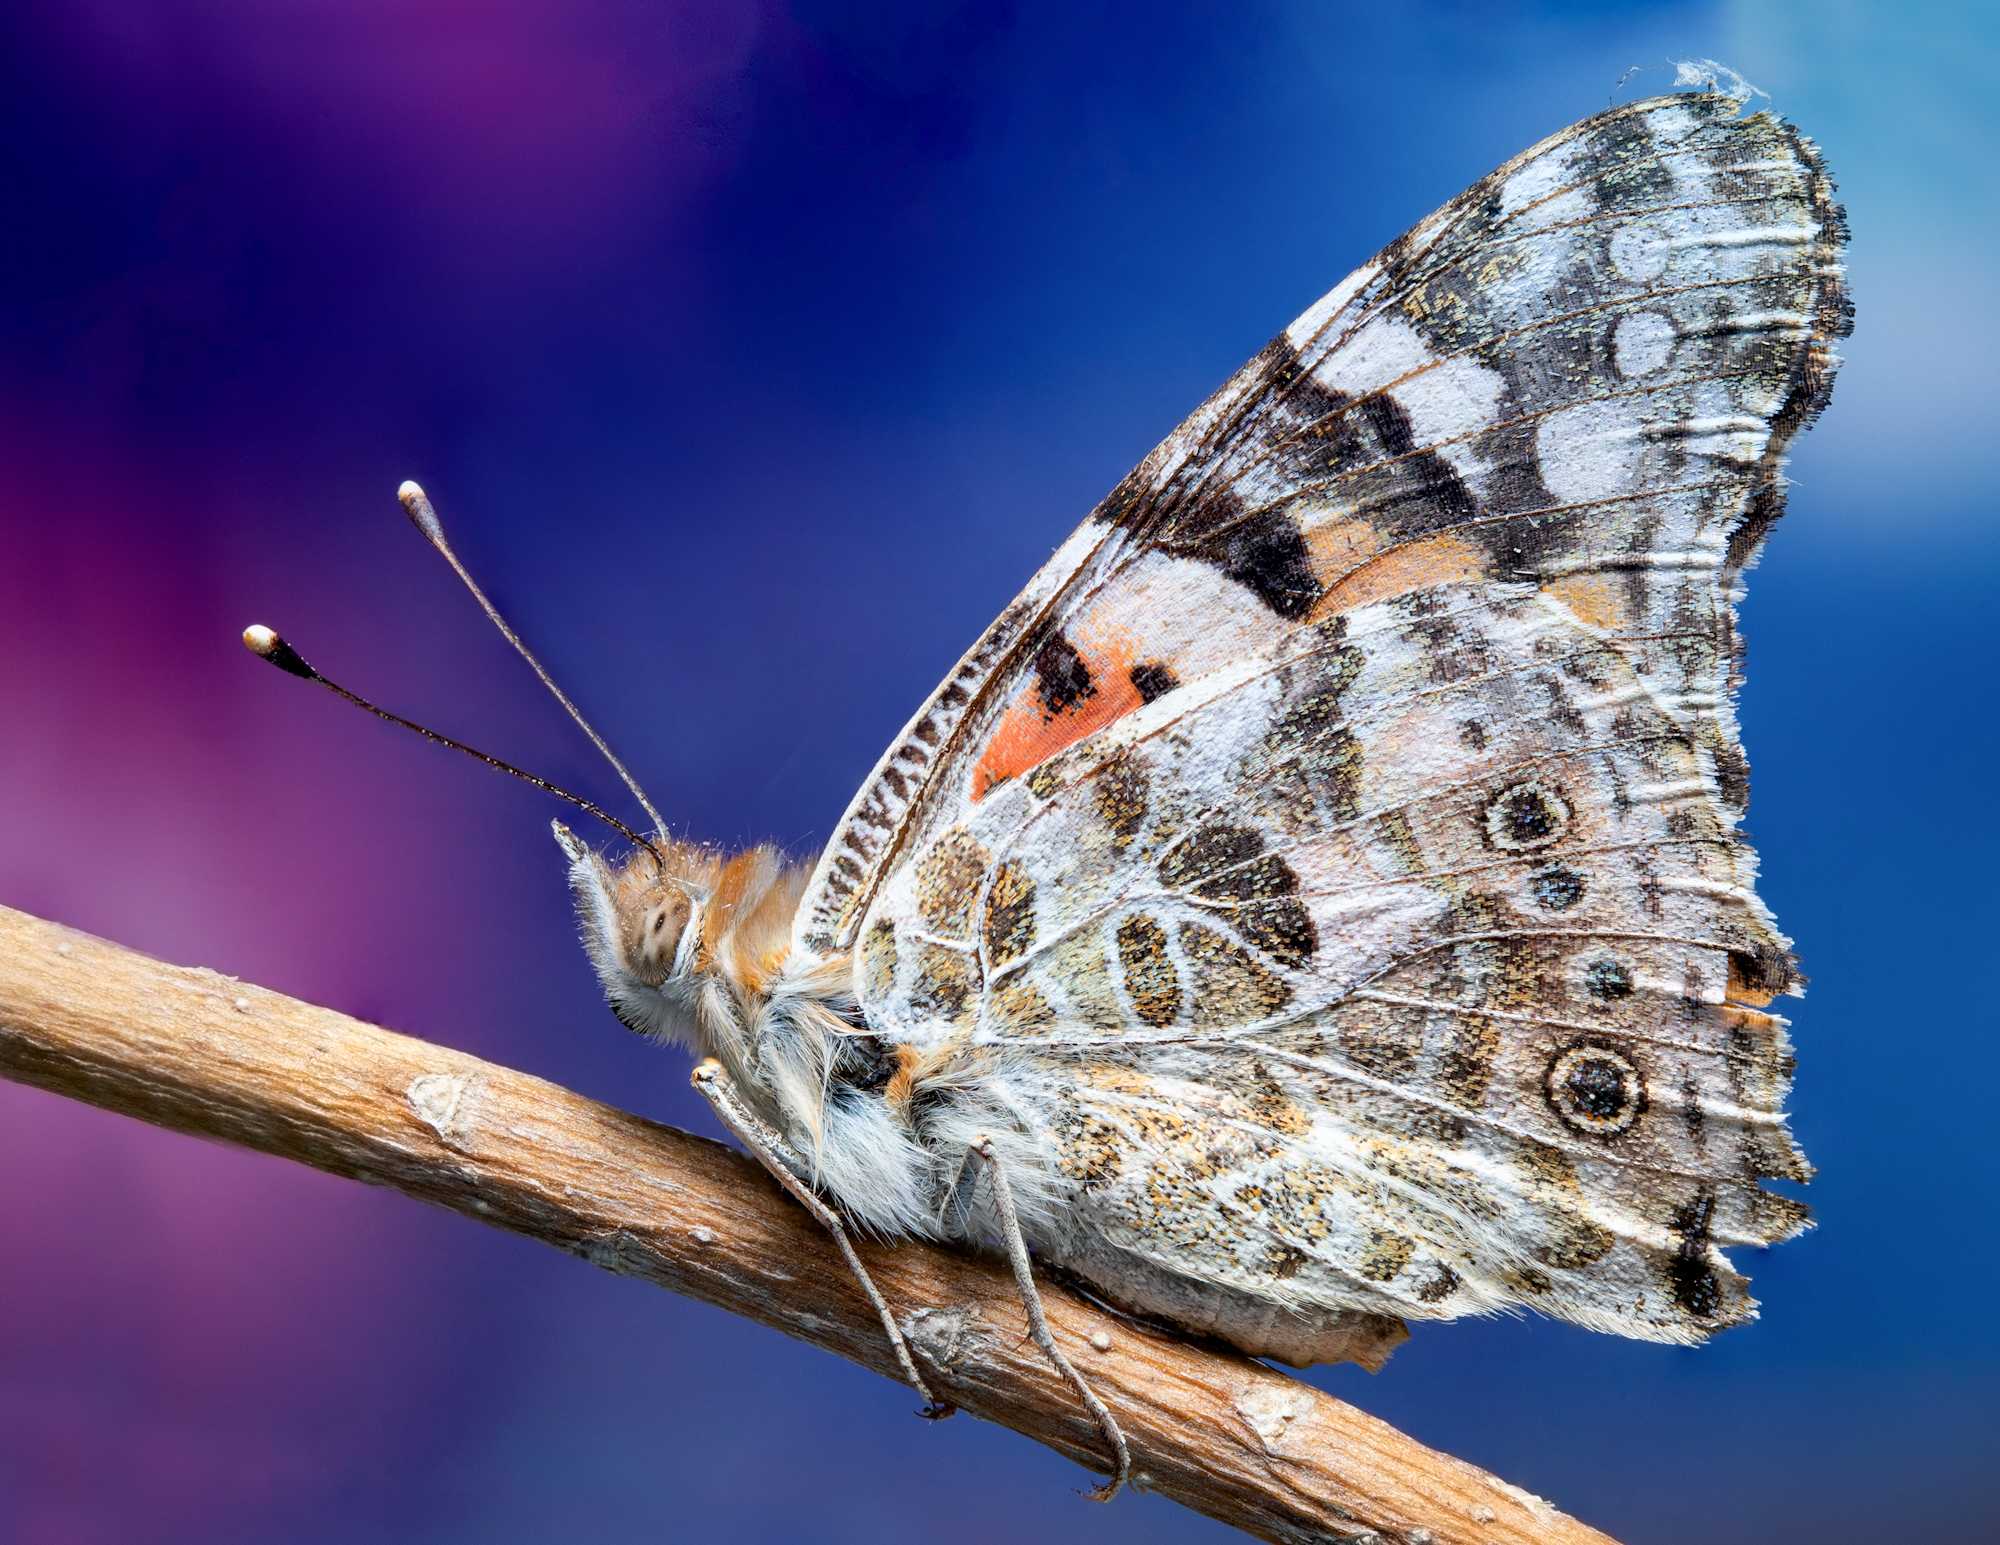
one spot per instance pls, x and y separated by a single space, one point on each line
1317 902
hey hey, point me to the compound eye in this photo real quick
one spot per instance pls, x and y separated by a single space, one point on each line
658 938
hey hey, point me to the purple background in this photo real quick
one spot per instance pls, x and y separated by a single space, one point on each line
755 355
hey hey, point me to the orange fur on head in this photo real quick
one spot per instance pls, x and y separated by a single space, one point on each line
746 904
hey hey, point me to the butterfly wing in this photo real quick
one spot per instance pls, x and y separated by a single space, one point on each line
1584 370
1410 966
1337 840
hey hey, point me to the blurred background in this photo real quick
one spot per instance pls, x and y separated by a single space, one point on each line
755 354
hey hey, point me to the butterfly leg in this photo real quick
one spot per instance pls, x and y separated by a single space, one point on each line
712 1083
1038 1322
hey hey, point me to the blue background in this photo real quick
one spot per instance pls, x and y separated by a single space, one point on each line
755 355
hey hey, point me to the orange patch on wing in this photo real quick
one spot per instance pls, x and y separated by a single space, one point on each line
1743 992
1337 546
1434 560
1028 734
1597 599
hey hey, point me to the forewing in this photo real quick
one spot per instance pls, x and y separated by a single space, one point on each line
1410 965
1582 373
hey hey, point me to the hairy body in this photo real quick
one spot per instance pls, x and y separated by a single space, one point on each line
696 950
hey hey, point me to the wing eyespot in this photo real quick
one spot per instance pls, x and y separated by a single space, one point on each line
1526 817
1595 1089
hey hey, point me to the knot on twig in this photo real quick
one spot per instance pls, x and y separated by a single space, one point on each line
939 1334
445 1102
1269 1408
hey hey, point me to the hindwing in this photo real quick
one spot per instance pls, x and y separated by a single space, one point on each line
1432 910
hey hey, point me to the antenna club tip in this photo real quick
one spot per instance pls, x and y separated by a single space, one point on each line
269 644
417 505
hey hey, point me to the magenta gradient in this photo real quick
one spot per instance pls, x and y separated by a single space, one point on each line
755 354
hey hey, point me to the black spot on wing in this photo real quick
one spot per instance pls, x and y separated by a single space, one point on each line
1153 681
1440 497
1607 980
1621 165
1763 968
1595 1089
1062 677
1557 890
1690 1277
1732 775
1265 553
1391 423
1525 817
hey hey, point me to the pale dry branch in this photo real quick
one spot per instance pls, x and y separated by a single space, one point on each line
197 1052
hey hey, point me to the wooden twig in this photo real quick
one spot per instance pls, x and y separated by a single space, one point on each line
202 1053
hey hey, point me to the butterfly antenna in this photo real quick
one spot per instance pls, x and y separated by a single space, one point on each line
269 645
417 505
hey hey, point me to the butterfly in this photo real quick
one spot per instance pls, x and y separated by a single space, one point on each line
1318 902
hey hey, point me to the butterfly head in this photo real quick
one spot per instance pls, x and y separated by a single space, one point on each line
682 938
641 922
